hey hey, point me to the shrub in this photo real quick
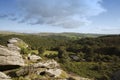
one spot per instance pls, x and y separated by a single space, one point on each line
41 50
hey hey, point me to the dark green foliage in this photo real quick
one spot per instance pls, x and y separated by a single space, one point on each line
104 77
61 52
41 50
81 55
89 56
36 41
71 78
25 51
51 56
111 50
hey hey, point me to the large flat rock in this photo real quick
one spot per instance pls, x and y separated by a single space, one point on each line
8 57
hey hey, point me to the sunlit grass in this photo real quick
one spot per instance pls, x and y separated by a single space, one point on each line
50 53
84 69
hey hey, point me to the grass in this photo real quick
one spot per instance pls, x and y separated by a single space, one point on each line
21 44
84 69
34 52
45 53
64 75
50 53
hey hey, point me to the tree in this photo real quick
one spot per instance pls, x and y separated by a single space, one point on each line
25 51
81 55
63 54
61 51
89 56
41 50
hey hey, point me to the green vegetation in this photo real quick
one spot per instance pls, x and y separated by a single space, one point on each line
96 58
64 75
82 68
41 50
50 54
21 45
34 52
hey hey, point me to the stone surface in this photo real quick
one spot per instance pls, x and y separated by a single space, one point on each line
34 57
15 44
8 57
50 68
54 72
13 40
47 64
13 47
26 70
4 76
75 58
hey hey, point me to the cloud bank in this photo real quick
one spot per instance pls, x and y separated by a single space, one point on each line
62 13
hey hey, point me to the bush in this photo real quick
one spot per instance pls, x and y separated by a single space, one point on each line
25 51
41 50
50 55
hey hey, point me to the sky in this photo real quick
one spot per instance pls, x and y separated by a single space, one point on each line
79 16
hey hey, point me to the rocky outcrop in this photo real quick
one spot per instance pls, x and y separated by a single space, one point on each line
54 72
34 58
47 64
16 44
50 68
4 76
8 57
13 47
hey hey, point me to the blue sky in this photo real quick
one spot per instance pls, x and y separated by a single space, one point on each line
82 16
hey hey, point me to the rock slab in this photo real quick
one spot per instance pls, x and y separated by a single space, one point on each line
8 57
4 76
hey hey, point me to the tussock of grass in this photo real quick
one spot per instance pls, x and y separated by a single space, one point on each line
64 75
50 53
34 52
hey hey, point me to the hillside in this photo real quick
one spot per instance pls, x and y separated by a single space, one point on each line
66 34
17 62
92 57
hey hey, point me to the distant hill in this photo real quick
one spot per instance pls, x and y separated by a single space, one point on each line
71 35
65 34
9 33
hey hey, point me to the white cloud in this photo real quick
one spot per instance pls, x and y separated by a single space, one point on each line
62 13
